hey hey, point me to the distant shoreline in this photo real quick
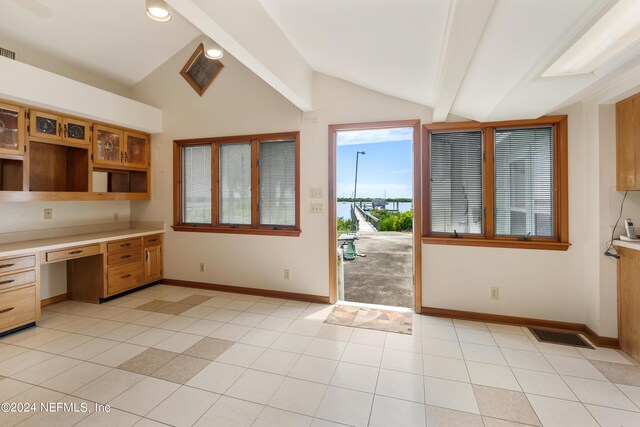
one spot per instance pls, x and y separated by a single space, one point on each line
370 199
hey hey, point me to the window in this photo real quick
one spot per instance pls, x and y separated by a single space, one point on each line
456 182
241 184
496 184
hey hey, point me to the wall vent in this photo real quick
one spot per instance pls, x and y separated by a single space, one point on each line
7 53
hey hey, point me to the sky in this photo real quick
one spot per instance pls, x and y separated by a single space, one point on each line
384 169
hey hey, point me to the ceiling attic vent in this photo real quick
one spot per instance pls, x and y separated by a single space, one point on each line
7 53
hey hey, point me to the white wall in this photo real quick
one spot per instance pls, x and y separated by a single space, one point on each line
533 283
238 103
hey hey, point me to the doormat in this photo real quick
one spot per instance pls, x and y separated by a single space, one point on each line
370 318
555 337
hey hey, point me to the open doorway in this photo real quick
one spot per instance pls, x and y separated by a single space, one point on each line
374 211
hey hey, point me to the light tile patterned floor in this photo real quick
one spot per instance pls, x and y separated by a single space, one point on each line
183 357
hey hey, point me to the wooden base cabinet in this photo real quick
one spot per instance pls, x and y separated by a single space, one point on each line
153 258
19 292
629 301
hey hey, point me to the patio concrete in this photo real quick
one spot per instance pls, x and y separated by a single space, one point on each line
385 275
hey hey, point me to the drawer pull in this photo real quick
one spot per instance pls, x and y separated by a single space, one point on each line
125 276
153 240
6 265
124 245
75 252
6 310
125 256
6 282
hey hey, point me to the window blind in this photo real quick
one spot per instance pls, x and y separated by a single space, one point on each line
524 177
235 183
456 182
278 183
196 184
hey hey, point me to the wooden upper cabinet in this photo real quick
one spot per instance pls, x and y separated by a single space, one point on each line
74 130
115 147
628 144
11 129
136 150
108 146
55 126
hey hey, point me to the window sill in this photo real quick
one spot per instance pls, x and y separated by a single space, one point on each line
285 232
497 243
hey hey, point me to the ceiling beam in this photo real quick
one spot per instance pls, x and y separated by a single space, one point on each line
466 22
246 31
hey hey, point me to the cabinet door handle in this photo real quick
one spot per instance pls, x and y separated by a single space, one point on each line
6 265
125 256
126 158
75 252
146 255
6 282
124 245
6 310
121 157
66 133
125 276
59 129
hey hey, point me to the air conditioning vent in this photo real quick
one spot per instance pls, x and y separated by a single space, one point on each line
7 53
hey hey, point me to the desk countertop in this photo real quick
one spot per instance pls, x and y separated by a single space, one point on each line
62 242
630 245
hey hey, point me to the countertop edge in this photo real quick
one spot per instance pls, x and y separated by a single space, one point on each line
28 247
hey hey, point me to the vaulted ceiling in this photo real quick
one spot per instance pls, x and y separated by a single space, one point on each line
478 59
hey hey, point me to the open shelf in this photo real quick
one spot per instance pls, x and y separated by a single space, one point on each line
119 181
55 167
11 175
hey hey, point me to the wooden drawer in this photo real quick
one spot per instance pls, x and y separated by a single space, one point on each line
123 277
77 252
122 257
124 245
17 279
154 240
17 263
17 308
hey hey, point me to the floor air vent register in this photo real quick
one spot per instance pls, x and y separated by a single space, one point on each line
555 337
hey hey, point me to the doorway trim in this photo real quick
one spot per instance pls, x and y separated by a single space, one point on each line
417 202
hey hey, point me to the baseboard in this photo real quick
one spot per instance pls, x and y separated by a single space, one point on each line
601 341
523 321
53 300
249 291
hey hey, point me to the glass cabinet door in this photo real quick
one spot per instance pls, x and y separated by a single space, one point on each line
75 131
11 129
107 146
45 125
136 151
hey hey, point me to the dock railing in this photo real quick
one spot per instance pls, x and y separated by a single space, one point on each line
375 222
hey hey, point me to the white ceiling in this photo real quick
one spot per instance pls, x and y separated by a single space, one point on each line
477 59
111 38
389 46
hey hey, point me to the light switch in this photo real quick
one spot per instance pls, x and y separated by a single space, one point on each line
316 193
316 208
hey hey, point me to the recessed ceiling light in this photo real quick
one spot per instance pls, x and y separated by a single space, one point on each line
616 31
212 50
157 10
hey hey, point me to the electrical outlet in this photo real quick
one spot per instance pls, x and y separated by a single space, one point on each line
202 267
316 208
116 216
48 213
287 275
495 293
316 193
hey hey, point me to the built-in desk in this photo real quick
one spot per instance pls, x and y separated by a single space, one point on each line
100 264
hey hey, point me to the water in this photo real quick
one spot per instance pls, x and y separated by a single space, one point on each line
344 208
